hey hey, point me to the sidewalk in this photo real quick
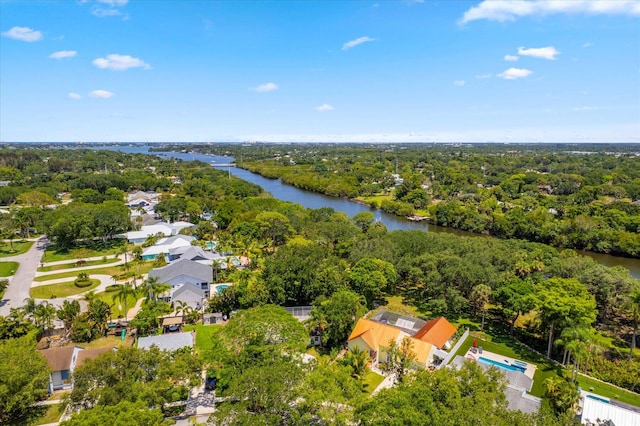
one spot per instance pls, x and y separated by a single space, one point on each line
63 262
78 268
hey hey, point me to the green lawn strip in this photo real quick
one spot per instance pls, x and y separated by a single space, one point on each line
45 414
8 268
106 261
109 270
372 380
204 334
117 308
503 345
53 255
19 247
67 289
604 389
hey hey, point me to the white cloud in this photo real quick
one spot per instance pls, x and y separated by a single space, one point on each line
584 108
266 87
101 94
63 54
510 10
587 44
548 52
324 107
353 43
23 34
120 62
483 76
511 58
101 12
74 96
113 3
459 83
514 73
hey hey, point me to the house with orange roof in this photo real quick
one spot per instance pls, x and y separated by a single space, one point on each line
373 338
438 332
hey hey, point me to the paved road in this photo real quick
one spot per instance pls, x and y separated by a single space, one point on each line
20 284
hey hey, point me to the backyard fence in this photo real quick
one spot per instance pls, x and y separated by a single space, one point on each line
453 350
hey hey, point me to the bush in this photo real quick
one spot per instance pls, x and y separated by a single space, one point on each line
112 287
82 282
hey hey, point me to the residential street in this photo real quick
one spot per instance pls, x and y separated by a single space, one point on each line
20 283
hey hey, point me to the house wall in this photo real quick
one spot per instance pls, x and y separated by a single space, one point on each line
181 279
362 345
190 298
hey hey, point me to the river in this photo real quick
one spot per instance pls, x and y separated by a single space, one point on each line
314 200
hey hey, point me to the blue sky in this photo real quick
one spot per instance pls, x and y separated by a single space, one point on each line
395 70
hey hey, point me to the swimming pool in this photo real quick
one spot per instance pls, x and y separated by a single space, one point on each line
502 365
220 288
606 401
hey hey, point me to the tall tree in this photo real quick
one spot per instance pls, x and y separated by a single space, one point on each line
400 358
479 298
561 301
124 292
24 378
337 315
68 312
633 309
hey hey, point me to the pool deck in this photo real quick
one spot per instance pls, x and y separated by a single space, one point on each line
530 368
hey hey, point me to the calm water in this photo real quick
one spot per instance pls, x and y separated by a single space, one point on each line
315 201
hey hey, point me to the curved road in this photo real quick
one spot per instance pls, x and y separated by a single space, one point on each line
20 283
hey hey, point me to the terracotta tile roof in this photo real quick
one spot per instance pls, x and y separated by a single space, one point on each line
378 335
86 354
59 359
437 332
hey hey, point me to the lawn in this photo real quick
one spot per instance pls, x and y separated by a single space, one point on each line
108 341
8 268
53 255
396 304
67 289
45 414
19 247
105 261
372 380
204 334
109 270
509 347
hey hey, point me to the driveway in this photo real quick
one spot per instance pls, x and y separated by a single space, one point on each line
20 283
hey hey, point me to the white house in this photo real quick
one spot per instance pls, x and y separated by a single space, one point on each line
165 245
62 362
163 228
188 293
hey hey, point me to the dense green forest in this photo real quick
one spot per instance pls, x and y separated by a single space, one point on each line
560 195
578 312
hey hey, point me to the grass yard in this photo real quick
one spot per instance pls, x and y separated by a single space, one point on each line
396 304
509 347
105 261
45 414
8 268
204 333
372 380
142 268
53 255
67 289
19 247
108 341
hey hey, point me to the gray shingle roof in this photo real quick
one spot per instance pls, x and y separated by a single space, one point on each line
202 273
187 288
167 342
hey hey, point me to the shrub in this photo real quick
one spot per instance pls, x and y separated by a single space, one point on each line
82 282
112 287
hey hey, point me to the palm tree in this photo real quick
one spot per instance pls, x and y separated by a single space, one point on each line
480 297
30 307
122 294
633 308
154 288
181 307
44 315
99 313
357 359
90 296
